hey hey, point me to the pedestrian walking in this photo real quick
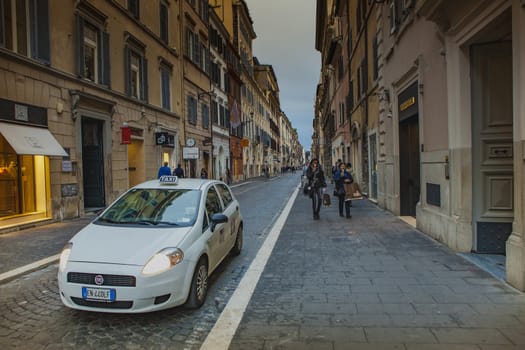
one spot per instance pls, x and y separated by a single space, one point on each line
228 176
343 179
164 170
317 183
204 174
179 172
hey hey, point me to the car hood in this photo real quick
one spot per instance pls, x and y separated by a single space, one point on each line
123 244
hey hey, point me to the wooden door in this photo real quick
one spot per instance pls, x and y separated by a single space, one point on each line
93 163
409 165
492 158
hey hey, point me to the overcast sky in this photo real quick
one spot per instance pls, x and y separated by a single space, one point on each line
285 32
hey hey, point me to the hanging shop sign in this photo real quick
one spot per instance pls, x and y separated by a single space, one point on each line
126 135
164 139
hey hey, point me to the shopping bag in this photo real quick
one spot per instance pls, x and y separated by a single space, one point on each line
355 191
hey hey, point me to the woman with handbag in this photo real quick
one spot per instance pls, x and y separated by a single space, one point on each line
317 183
341 178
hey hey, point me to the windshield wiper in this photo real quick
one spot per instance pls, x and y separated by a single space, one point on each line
111 221
152 222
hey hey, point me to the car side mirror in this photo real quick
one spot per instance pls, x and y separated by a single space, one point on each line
216 219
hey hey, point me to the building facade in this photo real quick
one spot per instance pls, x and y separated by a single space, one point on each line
91 108
436 126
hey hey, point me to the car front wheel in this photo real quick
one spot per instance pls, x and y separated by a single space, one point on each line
199 285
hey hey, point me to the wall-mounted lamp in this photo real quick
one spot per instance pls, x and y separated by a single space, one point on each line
209 93
386 94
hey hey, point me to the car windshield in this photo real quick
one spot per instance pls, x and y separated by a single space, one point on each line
154 207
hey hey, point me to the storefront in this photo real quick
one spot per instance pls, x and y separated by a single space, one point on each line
25 148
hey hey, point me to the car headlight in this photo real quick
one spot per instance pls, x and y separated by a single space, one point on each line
162 261
64 256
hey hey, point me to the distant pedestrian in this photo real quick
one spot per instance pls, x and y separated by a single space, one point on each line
179 172
317 183
342 178
164 170
204 174
228 176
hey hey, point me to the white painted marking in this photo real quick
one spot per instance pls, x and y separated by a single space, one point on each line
241 184
27 268
224 329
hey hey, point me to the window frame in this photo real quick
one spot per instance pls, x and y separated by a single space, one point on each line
133 47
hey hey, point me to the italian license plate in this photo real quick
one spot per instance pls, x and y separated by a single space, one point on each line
102 294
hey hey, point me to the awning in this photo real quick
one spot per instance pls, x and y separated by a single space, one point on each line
31 140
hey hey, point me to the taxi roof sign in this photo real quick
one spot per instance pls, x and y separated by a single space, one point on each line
169 179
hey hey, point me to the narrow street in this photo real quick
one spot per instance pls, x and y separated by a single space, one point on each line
371 282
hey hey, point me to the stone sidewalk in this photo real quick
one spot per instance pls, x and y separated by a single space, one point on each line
374 282
24 247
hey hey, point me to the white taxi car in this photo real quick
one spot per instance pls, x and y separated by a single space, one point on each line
153 248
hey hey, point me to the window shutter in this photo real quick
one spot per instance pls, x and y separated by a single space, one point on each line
166 91
144 80
163 23
2 24
80 45
105 65
188 43
205 116
214 114
127 70
194 110
196 50
133 7
40 42
189 109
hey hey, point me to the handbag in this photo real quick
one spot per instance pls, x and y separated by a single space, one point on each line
306 189
339 192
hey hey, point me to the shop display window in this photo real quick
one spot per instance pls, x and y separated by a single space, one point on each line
17 181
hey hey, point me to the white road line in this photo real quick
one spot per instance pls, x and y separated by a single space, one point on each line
27 268
224 329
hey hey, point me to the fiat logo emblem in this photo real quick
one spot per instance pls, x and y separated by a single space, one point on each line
99 280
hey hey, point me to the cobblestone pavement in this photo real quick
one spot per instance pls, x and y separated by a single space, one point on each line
373 282
33 317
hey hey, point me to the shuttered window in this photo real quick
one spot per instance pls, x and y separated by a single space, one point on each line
136 73
24 28
93 61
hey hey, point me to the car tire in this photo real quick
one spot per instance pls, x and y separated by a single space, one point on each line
199 285
237 246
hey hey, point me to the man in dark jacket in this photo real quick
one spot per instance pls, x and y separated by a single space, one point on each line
317 183
179 172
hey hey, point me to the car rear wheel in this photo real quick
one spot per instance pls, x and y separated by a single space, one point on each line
237 247
199 285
